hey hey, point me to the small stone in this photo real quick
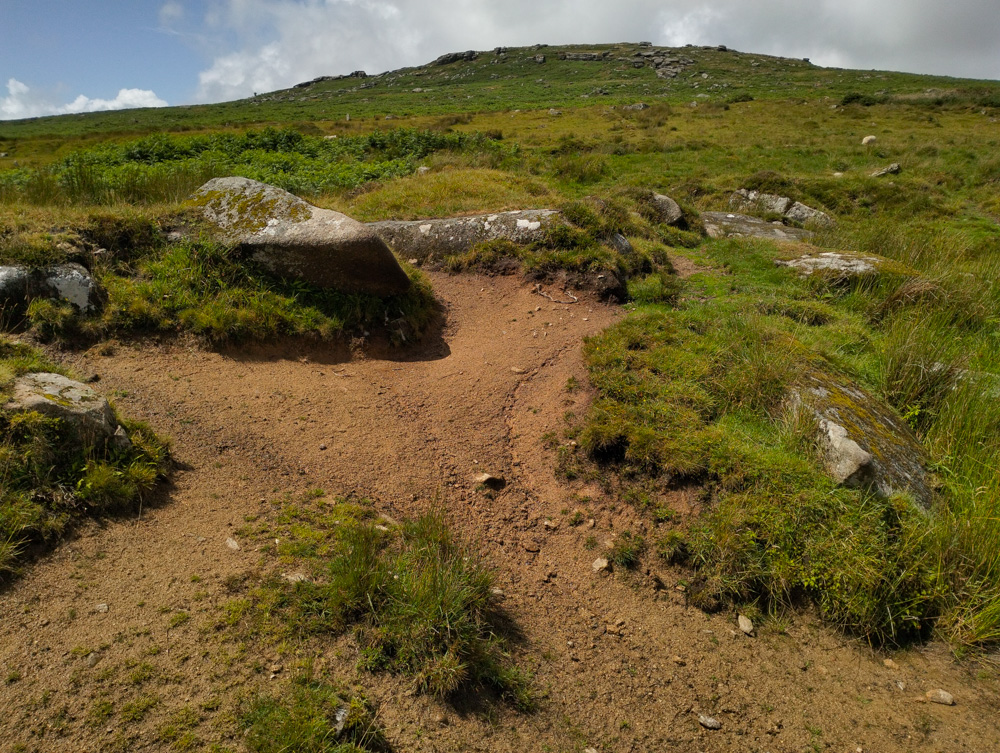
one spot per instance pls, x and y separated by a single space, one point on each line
518 370
890 664
498 593
600 565
295 577
745 624
868 140
489 481
92 659
231 543
709 722
590 750
322 446
679 661
941 696
275 668
441 719
551 525
531 546
43 623
102 608
892 169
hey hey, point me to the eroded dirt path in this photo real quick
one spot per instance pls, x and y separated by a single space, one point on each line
619 665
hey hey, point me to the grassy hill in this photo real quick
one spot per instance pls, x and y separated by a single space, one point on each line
691 386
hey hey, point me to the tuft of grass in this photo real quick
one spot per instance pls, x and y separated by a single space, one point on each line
421 602
626 551
313 717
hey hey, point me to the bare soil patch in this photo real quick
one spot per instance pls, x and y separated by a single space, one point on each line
620 662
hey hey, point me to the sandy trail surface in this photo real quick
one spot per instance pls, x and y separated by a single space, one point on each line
620 662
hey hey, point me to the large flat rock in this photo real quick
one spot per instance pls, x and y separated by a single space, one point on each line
432 240
294 239
731 224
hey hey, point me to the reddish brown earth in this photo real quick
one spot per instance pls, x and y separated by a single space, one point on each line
620 663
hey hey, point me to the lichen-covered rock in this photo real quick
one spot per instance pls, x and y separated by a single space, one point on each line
669 211
65 282
432 240
864 444
747 200
841 266
294 239
56 396
725 225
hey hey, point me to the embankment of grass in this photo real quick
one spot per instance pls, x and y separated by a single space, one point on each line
49 480
695 392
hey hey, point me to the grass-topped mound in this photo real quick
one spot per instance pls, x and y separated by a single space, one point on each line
155 284
50 479
697 392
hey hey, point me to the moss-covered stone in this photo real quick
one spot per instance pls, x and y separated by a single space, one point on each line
863 443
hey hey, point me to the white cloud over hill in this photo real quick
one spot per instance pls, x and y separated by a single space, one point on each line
21 102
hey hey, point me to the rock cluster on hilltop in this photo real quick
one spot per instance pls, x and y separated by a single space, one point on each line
665 62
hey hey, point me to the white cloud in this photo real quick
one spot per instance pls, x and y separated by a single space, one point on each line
126 99
171 13
21 102
260 45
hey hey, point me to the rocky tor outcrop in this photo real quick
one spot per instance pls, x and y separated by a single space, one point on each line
294 239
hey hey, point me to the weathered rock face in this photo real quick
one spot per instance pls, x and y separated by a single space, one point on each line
841 266
293 239
53 395
432 240
670 212
746 200
66 282
864 444
724 225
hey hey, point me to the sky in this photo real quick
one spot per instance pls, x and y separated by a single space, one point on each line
69 56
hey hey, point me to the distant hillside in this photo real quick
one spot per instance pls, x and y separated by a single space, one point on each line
530 78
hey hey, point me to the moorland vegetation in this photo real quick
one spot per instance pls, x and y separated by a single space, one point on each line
691 387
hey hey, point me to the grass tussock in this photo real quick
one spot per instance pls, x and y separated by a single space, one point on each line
312 717
420 602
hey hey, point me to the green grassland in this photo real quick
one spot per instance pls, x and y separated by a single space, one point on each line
691 385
